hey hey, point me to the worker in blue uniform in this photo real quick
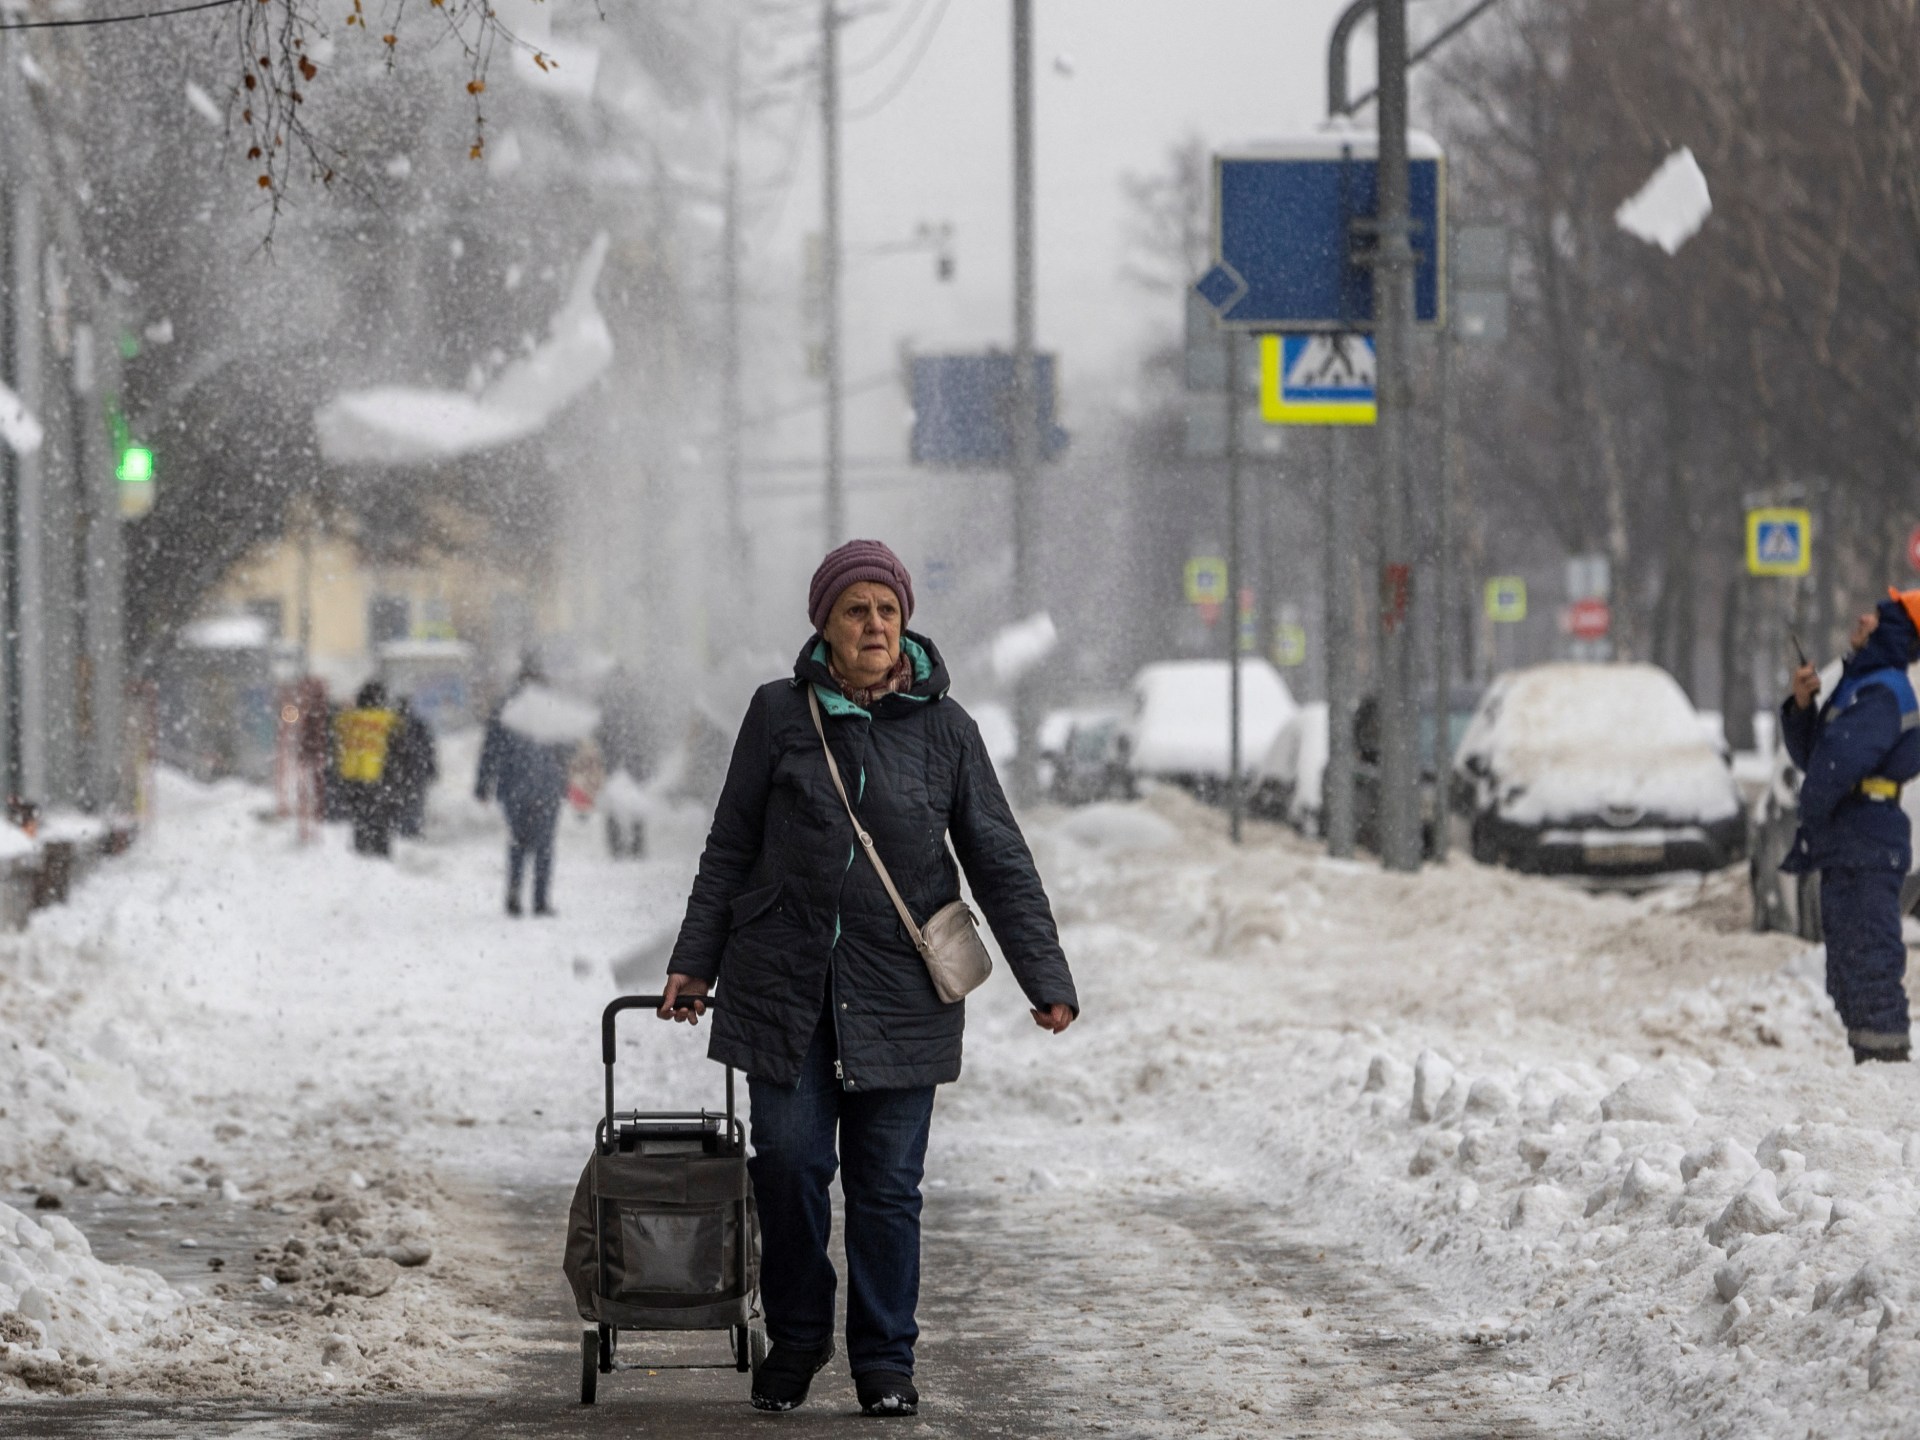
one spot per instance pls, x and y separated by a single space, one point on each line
1856 751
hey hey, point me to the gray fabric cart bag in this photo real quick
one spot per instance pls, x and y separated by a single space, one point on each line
663 1236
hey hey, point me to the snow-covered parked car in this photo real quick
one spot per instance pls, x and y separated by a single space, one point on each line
1792 902
1289 780
1600 770
1177 730
1084 756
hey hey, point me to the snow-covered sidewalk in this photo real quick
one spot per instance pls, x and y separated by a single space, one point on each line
1618 1136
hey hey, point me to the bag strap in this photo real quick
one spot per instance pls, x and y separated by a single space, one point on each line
866 840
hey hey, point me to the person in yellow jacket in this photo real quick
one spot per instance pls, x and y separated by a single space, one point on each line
363 736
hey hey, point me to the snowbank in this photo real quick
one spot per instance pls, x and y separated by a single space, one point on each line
1620 1137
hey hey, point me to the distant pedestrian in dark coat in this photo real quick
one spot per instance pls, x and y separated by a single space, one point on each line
529 777
363 736
827 1006
1856 751
413 763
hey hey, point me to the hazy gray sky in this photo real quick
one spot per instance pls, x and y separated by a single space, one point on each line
1145 73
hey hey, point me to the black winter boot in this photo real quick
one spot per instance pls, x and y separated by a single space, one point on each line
782 1379
887 1392
1863 1053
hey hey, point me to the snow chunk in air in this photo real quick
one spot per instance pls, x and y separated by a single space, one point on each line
17 426
547 717
405 425
1671 207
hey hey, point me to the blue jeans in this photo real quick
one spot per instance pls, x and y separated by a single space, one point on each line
530 833
883 1151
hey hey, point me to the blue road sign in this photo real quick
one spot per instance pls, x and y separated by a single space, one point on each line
962 406
1293 233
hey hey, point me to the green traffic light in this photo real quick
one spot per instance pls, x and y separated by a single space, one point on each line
136 465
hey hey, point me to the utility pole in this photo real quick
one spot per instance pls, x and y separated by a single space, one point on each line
1235 791
1393 313
730 437
836 518
1026 406
15 316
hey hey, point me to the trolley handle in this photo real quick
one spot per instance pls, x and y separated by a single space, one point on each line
640 1002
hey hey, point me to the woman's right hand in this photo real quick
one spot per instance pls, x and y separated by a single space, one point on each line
678 985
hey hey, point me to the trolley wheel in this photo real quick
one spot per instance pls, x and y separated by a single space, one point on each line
742 1354
609 1338
589 1366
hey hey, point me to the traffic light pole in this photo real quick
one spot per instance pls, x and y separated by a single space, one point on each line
1026 442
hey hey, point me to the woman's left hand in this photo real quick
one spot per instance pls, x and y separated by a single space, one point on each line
1055 1018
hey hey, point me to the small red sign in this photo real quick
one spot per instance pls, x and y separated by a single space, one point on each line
1913 548
1589 619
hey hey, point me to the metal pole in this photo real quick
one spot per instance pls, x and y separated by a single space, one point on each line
1026 407
1235 804
1443 600
13 318
730 438
1336 797
1393 313
836 507
1343 28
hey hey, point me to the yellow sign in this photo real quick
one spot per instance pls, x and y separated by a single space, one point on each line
1317 380
1507 599
1289 645
1206 580
1779 541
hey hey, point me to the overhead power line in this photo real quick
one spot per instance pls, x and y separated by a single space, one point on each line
890 44
887 96
79 22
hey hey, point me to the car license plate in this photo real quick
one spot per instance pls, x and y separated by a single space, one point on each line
1625 854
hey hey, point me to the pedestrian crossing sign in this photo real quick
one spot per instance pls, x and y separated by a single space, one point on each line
1206 578
1779 541
1317 380
1507 599
1290 644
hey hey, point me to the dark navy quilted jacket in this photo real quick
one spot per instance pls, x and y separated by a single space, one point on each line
785 915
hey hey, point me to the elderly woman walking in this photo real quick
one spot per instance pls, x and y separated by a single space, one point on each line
830 1007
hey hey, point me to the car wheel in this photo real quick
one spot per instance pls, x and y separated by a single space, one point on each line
1481 842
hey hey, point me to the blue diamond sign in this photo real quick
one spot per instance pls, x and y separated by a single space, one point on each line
1295 231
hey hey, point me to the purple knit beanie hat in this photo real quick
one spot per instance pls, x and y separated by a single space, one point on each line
853 562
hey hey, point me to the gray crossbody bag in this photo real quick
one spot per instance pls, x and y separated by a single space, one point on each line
949 943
